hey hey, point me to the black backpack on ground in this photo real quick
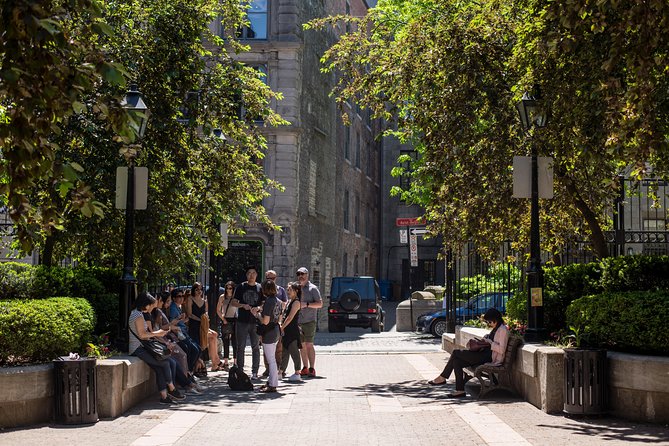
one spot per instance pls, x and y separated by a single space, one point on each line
238 380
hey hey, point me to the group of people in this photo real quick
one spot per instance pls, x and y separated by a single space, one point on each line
282 320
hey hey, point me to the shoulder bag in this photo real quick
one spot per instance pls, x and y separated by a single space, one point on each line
477 345
156 348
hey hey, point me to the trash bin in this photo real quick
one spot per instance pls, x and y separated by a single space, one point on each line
584 381
386 288
75 394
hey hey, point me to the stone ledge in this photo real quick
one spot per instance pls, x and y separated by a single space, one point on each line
638 385
405 320
27 395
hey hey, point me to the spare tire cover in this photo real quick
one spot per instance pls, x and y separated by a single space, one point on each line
349 300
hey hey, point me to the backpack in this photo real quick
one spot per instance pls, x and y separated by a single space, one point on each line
238 380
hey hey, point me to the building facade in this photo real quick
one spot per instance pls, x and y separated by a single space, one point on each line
329 210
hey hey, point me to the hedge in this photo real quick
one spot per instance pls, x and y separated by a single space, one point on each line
635 322
41 330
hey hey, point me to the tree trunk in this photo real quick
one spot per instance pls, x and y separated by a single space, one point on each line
46 258
597 235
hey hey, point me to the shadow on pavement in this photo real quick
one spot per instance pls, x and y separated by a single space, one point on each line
612 429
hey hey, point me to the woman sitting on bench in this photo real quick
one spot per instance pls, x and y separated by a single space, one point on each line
498 339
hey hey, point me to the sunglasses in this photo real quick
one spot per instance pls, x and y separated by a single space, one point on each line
301 274
178 296
228 287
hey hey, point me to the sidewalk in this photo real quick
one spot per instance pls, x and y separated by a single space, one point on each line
357 399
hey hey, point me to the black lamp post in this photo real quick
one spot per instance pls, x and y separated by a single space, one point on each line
532 114
138 112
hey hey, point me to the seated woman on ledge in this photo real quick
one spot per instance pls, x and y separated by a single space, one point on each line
498 339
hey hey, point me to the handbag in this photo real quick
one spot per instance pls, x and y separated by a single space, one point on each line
156 348
226 329
477 345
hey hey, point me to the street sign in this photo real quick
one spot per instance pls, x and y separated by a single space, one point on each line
409 221
522 176
141 187
413 250
403 236
418 231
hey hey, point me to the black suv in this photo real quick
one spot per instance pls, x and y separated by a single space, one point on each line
355 302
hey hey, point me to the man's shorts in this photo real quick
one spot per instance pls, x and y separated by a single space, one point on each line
308 331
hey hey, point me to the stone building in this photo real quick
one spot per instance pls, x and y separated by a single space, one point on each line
329 211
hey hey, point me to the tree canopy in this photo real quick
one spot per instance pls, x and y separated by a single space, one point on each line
192 84
448 74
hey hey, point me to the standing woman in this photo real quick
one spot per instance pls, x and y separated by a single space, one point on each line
269 319
196 308
227 315
291 332
497 338
165 369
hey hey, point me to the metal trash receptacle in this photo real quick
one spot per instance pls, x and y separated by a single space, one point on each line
75 393
585 381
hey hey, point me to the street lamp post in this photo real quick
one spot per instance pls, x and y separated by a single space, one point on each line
138 112
533 114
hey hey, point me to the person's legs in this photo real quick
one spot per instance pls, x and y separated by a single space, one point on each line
269 350
212 339
226 348
255 349
233 340
458 360
285 356
295 354
241 332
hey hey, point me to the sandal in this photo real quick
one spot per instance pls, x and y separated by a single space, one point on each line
434 383
267 389
458 394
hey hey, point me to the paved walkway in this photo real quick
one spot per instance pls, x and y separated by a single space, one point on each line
358 399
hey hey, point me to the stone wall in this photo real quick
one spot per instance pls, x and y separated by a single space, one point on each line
638 386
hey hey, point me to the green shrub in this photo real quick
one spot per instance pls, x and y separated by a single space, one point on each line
564 284
624 321
41 330
106 312
516 306
635 273
15 280
51 281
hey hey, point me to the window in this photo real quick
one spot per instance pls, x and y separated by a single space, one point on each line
356 267
347 142
357 149
654 225
408 158
344 265
370 161
313 170
346 207
348 12
357 215
257 16
262 75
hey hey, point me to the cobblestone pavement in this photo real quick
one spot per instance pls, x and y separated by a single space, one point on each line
361 397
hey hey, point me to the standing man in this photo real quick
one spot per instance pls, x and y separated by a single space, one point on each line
310 302
248 298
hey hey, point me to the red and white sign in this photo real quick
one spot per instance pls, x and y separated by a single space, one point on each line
409 221
413 249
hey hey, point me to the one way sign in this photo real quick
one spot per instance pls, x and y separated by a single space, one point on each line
418 231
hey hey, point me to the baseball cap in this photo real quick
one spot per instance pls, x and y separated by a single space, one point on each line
303 270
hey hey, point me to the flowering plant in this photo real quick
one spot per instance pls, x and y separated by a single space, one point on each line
516 327
99 347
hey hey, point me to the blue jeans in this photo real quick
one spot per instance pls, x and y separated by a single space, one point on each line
242 330
165 369
192 350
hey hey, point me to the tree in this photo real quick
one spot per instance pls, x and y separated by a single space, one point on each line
449 74
192 84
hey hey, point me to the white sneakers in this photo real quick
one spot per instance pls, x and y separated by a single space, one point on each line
295 378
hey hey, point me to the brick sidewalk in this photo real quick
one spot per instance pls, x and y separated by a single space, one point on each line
358 399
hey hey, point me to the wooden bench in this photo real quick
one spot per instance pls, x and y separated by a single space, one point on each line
494 377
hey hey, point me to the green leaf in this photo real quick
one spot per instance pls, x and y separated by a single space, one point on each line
79 107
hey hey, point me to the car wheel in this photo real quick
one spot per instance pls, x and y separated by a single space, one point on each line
438 327
377 327
334 327
350 300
